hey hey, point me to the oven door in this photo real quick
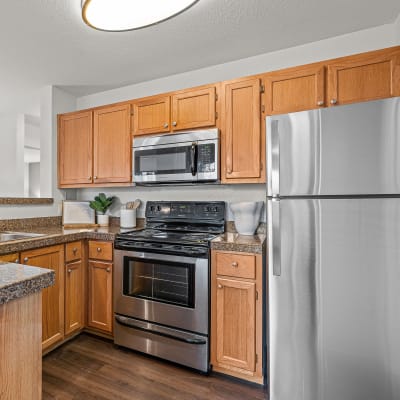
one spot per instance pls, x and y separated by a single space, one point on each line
164 289
165 163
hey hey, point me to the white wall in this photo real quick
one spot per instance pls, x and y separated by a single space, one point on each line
371 39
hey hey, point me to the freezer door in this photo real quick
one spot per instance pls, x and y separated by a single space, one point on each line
334 301
344 150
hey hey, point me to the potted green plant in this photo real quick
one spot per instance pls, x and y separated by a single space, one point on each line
100 204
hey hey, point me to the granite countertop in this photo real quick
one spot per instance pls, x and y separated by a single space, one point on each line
18 280
53 235
239 243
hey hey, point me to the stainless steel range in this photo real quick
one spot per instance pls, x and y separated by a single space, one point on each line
161 282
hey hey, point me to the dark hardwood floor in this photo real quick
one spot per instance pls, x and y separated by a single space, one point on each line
92 368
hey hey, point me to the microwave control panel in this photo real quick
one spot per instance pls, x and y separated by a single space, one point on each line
206 157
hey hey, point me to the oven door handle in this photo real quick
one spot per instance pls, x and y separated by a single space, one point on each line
130 324
193 159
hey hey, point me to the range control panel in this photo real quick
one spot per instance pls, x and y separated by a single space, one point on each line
191 210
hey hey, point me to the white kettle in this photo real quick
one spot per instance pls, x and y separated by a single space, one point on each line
246 216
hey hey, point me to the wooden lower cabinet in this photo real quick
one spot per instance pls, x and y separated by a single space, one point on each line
236 315
52 297
100 296
74 297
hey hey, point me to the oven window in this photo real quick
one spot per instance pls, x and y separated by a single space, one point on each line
161 281
170 160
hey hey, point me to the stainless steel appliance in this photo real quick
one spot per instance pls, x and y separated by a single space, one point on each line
187 157
161 282
334 253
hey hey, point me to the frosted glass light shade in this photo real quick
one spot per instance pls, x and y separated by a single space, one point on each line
125 15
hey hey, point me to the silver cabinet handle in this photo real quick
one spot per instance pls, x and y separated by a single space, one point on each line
174 123
320 103
16 260
26 259
69 271
99 249
165 125
333 101
108 269
274 238
95 177
74 250
220 286
235 264
89 178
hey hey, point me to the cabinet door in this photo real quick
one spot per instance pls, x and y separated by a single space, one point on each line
53 296
74 297
364 77
193 109
295 89
235 323
151 116
100 296
112 145
75 137
12 258
241 132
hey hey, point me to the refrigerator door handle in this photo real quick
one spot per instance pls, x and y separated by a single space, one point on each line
274 237
272 157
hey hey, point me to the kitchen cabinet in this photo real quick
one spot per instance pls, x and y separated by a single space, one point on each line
295 89
236 314
100 311
12 258
94 147
151 115
363 77
74 287
52 297
242 137
186 109
75 149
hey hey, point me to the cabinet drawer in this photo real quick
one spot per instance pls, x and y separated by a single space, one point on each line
100 250
238 265
73 251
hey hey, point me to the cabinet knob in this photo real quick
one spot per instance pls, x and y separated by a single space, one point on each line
16 260
99 249
89 178
333 101
26 259
174 123
235 264
69 271
74 250
108 269
320 103
220 286
165 126
95 177
229 170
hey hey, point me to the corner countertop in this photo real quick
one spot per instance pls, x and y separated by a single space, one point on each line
239 243
18 280
53 235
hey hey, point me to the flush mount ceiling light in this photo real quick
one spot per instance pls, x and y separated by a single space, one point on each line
126 15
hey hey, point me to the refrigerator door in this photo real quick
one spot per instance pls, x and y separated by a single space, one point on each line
344 150
334 299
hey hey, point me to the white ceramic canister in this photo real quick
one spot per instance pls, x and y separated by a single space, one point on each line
246 216
128 218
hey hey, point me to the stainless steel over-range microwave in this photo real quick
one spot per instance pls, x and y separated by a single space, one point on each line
186 157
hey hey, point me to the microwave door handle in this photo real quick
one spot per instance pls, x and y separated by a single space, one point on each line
193 159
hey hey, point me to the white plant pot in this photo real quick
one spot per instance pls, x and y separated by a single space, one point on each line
246 216
103 219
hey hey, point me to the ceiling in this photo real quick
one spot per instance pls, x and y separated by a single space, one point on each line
45 42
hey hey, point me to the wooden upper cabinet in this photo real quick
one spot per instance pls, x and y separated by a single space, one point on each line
363 77
241 140
53 296
193 109
295 89
112 144
151 115
75 135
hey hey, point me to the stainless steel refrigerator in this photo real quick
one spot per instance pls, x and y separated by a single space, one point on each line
333 285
